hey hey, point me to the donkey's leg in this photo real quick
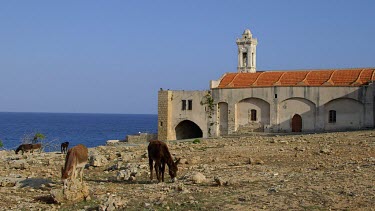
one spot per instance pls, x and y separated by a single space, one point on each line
162 171
74 172
150 162
81 173
157 170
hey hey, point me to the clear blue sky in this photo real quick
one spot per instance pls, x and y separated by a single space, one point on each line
113 56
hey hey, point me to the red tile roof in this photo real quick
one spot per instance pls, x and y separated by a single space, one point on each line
339 77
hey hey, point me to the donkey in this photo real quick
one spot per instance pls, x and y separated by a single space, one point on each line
64 147
76 157
158 152
29 147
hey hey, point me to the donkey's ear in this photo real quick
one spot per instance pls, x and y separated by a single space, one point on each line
177 161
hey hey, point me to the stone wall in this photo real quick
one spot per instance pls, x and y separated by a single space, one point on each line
164 110
142 137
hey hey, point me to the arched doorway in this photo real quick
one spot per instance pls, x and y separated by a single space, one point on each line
188 129
296 123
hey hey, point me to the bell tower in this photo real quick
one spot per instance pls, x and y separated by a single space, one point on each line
247 48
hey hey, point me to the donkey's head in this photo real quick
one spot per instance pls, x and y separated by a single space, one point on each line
173 169
65 174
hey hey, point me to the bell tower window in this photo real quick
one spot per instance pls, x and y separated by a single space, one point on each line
244 57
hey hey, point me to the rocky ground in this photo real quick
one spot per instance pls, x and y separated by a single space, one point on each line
332 171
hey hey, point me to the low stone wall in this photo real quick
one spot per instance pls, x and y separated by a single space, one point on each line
141 137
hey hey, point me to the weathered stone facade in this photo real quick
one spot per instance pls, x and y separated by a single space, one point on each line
271 101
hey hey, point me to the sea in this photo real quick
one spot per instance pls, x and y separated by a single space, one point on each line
88 129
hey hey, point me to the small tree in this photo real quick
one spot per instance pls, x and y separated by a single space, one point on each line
38 136
1 144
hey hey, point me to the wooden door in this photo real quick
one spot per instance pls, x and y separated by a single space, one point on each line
296 123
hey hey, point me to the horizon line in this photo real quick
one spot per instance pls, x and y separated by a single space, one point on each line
48 112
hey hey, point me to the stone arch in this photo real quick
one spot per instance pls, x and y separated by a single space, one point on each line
188 129
245 122
288 108
349 114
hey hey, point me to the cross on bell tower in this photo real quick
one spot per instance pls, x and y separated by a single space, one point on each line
247 46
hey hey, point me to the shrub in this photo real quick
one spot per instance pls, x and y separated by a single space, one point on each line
196 141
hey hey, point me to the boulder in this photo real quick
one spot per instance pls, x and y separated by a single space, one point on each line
198 178
128 173
9 181
18 164
98 160
112 203
74 192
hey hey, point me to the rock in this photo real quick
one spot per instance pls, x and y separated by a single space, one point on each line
112 203
127 157
8 181
183 161
74 192
325 151
18 164
253 161
98 160
112 142
195 160
128 173
219 181
198 178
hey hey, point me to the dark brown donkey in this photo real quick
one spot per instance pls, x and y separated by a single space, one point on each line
64 147
29 147
76 158
158 152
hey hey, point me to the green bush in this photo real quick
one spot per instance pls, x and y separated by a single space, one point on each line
196 141
1 144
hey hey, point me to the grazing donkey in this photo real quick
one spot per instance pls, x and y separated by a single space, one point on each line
29 147
64 147
158 152
75 158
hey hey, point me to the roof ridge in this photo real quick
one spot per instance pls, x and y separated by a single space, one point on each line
256 80
372 75
304 81
231 83
329 81
278 80
358 81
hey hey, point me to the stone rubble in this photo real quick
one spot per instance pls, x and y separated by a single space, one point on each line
274 172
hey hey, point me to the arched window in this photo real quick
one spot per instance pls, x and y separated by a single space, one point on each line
253 114
332 116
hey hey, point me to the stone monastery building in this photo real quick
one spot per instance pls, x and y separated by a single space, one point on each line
249 101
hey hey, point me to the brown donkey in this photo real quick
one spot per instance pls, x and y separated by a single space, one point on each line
29 147
158 152
75 158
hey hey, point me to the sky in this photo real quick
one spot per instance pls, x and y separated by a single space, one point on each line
77 56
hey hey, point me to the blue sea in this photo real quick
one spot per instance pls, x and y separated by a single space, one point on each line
89 129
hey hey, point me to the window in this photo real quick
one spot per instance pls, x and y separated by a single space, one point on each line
275 95
161 124
244 58
183 104
190 104
253 114
332 116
